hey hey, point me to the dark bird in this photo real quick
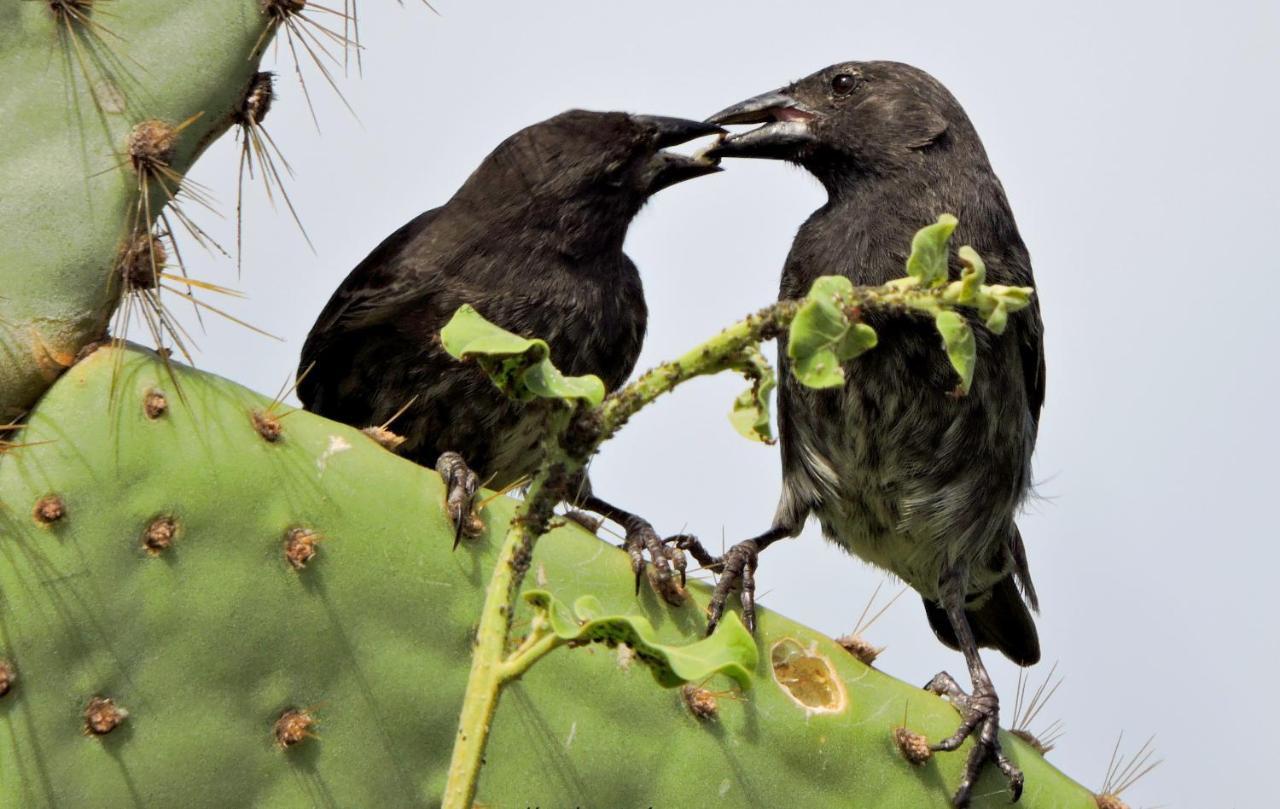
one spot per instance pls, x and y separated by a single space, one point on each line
898 469
532 240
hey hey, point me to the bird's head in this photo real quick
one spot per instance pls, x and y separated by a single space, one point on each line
586 174
858 117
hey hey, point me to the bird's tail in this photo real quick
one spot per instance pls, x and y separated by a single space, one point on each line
1003 622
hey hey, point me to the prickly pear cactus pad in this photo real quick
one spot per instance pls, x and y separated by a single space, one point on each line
207 600
94 99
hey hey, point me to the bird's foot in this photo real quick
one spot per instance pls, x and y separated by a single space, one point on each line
461 485
666 556
737 569
981 720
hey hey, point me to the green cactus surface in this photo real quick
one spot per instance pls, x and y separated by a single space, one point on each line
81 77
207 600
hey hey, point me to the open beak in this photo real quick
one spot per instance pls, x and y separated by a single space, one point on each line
668 168
784 134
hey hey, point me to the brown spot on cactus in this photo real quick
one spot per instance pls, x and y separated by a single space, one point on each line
913 746
860 648
155 404
1037 745
267 424
855 643
257 99
49 509
300 547
159 535
807 676
141 261
293 726
150 147
8 676
700 702
385 438
101 716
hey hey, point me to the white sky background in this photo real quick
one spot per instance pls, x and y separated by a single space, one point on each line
1137 145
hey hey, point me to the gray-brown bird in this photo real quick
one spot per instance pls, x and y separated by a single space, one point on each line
532 240
898 469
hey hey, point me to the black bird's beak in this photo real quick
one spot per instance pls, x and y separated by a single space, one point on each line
668 168
785 132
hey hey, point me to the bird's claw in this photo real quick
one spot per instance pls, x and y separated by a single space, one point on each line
666 557
981 720
737 568
461 485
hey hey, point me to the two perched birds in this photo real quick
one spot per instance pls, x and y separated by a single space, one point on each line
897 469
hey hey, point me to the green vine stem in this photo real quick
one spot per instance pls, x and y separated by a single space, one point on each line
826 322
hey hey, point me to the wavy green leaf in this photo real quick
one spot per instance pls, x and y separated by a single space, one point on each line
928 260
521 367
962 350
730 650
750 415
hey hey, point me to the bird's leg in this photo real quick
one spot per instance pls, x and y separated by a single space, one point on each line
737 568
641 539
461 485
980 710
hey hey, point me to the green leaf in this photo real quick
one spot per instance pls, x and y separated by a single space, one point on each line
858 339
730 650
973 276
996 302
822 335
928 260
750 415
957 336
521 367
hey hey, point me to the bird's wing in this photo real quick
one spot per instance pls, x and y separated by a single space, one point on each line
380 284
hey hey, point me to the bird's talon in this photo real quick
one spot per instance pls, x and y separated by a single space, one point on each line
641 539
461 485
737 570
980 721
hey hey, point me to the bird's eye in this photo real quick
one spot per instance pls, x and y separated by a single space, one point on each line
844 83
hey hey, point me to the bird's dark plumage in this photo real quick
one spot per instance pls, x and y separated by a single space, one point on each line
533 240
897 468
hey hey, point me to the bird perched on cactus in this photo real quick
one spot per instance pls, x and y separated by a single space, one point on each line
533 241
900 469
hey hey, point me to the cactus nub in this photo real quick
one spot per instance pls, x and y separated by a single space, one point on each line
101 716
267 424
141 262
700 702
8 676
159 535
293 726
155 404
860 648
385 438
300 547
49 509
913 746
257 100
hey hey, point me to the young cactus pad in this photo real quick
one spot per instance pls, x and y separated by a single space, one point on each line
195 616
83 80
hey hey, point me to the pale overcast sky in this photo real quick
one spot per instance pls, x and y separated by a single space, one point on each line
1136 142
